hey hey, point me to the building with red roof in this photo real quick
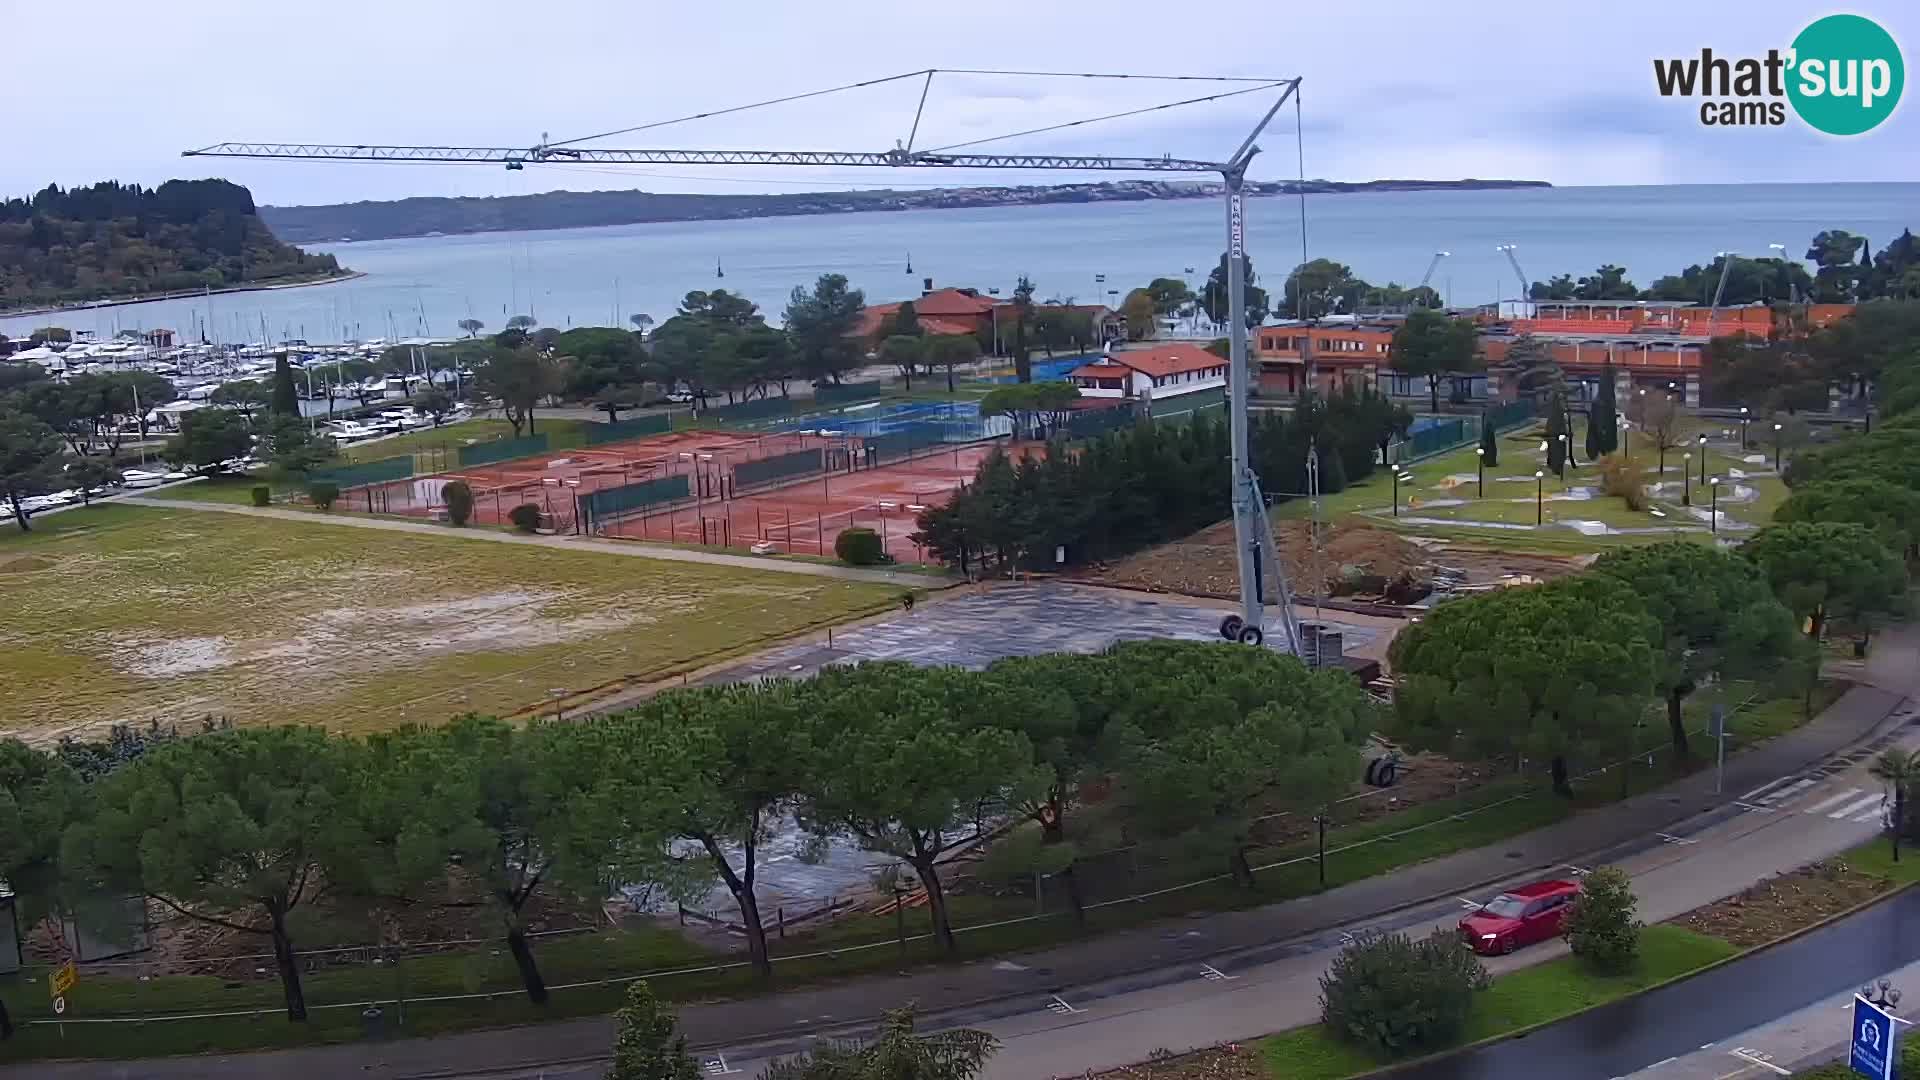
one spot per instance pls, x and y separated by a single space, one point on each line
1151 374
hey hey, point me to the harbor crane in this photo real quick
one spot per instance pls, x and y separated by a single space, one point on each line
1428 276
1256 563
1713 310
1525 288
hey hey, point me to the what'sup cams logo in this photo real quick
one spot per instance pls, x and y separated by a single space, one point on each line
1842 75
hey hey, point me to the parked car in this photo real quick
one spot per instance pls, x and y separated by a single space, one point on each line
1518 918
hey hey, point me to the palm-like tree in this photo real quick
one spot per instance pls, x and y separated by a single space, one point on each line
640 323
1900 771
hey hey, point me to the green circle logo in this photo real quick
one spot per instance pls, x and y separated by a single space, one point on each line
1846 76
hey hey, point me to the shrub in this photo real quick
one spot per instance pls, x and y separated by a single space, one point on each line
262 495
525 517
322 493
459 500
1621 479
1601 929
1396 996
858 547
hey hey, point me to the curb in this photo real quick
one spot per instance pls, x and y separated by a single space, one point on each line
1744 954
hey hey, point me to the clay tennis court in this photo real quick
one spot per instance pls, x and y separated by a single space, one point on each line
554 479
806 516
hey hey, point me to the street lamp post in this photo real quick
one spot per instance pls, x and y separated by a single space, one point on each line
1743 427
1539 497
1480 460
1703 459
1398 476
1686 479
1881 995
1776 448
1713 502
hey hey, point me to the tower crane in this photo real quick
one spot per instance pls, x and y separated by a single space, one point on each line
1508 250
1257 565
1431 265
1713 310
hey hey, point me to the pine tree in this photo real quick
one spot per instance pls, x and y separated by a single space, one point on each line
646 1047
1606 414
284 401
1557 435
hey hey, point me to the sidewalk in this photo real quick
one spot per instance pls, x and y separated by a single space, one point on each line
965 991
629 548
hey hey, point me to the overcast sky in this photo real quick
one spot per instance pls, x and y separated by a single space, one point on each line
1430 90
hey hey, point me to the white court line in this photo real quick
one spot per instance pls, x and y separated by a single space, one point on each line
1825 805
1856 807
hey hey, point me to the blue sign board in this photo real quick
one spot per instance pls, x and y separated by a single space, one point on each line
1873 1050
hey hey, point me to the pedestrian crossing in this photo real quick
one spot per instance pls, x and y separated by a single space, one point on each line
1806 795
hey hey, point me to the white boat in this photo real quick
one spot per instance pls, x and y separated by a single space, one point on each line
139 478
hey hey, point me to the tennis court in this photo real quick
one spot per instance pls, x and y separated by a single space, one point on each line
555 480
804 517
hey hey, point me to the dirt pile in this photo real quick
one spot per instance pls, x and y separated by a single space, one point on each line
1203 564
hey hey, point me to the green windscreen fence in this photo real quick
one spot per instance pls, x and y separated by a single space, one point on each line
914 438
778 467
384 471
604 507
1511 415
751 410
1441 436
638 427
487 453
1087 423
845 392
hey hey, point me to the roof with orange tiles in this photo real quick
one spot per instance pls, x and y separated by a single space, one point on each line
1158 361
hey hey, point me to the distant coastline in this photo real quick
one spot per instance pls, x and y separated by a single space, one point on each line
434 216
180 294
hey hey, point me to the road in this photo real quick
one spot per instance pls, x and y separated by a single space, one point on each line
1185 985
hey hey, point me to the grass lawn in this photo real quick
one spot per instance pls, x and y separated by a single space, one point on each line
1521 999
437 449
1445 493
142 612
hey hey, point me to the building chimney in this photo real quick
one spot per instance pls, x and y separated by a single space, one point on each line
926 285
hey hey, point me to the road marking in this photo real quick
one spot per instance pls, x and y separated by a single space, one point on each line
1578 871
1347 938
1769 786
1789 791
1756 1057
1468 904
1671 839
1059 1005
1755 809
1825 805
717 1066
1856 807
1214 974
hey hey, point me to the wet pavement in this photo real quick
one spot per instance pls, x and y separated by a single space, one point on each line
1625 1037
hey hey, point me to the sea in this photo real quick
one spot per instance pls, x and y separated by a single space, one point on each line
1085 252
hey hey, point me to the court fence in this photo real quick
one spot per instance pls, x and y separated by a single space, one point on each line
848 392
596 433
749 410
383 471
779 467
487 453
1087 423
602 508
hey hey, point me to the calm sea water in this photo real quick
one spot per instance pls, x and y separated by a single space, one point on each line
576 277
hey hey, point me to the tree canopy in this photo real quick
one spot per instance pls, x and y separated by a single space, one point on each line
1434 346
1823 569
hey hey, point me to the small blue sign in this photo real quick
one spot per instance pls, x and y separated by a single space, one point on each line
1873 1051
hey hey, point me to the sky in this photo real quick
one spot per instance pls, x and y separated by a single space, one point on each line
1556 92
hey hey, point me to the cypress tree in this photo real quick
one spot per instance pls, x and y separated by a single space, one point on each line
1606 414
1556 435
1489 443
284 401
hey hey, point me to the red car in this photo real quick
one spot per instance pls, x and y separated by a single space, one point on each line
1521 917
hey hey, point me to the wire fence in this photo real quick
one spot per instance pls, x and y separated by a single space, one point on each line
1048 893
487 453
383 471
594 433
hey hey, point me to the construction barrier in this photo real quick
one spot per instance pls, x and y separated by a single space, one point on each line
847 392
597 433
778 467
384 471
601 508
487 453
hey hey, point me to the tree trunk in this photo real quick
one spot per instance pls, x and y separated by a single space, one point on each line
288 964
749 904
1679 730
1241 869
1899 816
19 515
530 430
1433 392
523 959
1817 623
1561 785
923 865
1074 897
